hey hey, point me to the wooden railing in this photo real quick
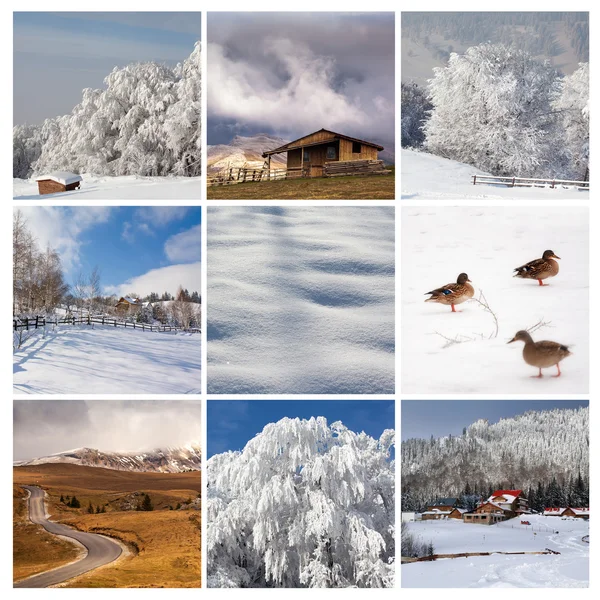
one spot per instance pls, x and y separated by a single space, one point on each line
246 174
30 323
583 186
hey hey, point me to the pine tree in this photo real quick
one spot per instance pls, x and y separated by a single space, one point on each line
147 503
62 499
90 508
74 503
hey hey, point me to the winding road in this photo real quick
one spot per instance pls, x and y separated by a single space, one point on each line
100 550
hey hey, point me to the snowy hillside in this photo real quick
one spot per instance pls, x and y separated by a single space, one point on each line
127 187
524 450
301 300
427 176
84 360
160 460
570 568
305 504
458 353
245 151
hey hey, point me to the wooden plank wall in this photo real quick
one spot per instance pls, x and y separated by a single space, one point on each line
366 152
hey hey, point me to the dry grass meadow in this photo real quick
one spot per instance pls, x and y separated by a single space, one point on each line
380 187
163 544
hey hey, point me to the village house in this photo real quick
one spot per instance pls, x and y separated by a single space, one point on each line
500 506
569 511
326 153
444 508
127 304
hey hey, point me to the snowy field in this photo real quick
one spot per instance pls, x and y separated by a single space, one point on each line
82 360
569 569
429 177
301 300
487 244
131 187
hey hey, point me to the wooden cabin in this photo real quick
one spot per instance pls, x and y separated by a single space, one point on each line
512 501
128 304
569 511
60 181
315 154
443 504
487 513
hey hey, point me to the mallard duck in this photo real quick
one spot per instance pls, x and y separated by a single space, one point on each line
542 354
540 268
453 293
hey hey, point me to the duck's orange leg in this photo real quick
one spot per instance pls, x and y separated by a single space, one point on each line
559 373
541 283
538 376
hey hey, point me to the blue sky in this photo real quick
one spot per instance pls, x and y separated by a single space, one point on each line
232 423
62 53
137 249
424 418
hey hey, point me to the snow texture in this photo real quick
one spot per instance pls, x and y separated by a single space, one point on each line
127 187
430 177
487 244
301 300
85 360
63 177
569 569
305 504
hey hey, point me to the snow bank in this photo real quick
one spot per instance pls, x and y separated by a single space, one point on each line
569 569
488 243
427 176
130 187
82 360
301 300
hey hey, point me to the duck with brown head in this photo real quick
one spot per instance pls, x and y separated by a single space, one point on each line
540 268
453 293
541 354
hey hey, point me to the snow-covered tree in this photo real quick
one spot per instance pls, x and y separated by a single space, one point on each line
572 105
145 122
492 109
305 504
415 109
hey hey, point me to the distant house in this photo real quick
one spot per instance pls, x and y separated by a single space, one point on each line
444 508
128 304
457 513
569 511
309 156
409 516
500 506
59 181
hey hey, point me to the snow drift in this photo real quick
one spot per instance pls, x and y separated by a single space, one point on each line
301 300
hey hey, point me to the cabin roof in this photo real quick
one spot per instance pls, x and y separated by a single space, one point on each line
293 145
63 177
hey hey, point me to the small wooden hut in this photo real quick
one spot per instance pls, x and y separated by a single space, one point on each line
59 181
327 153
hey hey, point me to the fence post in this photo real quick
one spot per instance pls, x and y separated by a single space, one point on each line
552 186
36 321
474 179
513 182
27 323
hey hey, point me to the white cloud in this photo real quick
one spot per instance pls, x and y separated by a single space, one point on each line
61 228
165 279
159 216
307 100
184 246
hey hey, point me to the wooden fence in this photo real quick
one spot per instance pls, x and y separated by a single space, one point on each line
583 186
245 174
432 557
37 322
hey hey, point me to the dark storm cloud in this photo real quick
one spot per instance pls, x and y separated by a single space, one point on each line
43 427
292 73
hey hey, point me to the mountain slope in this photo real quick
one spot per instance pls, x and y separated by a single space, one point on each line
245 151
161 460
521 451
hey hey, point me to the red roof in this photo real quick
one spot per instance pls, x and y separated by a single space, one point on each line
509 492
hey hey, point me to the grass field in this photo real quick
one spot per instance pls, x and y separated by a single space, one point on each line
34 549
373 187
164 544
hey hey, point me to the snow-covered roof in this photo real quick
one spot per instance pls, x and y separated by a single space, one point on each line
462 511
554 511
131 300
63 177
510 495
581 510
436 511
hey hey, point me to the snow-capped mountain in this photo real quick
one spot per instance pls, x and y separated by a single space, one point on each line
160 460
245 152
521 451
